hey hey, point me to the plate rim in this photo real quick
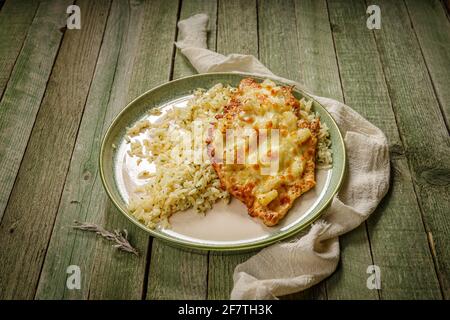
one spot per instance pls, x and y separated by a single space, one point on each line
214 247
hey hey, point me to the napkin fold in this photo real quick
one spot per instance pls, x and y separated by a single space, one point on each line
295 265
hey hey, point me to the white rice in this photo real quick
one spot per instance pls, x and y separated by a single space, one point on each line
178 183
324 157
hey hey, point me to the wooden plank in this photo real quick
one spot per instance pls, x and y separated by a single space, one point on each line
398 239
114 275
182 67
278 45
399 242
432 28
237 27
313 64
318 67
29 216
143 76
310 19
244 40
278 29
220 273
446 5
105 273
151 67
349 280
15 20
424 134
175 273
26 87
319 72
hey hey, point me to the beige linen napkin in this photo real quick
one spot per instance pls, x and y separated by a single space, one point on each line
300 263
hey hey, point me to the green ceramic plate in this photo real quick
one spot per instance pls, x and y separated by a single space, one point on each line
225 227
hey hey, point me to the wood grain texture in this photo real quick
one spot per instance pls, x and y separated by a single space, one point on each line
175 273
399 242
237 32
26 86
360 69
105 273
182 66
237 27
425 136
28 220
303 31
220 273
153 60
390 77
15 20
398 217
278 45
349 280
152 66
318 66
319 72
432 28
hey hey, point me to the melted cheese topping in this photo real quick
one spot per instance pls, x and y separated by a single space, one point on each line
257 107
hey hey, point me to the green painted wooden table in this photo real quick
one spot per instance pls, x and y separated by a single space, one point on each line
60 88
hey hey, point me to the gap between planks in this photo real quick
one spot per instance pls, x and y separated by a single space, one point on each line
76 135
150 240
431 246
366 227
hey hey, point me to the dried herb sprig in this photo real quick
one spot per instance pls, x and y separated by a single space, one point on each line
119 237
